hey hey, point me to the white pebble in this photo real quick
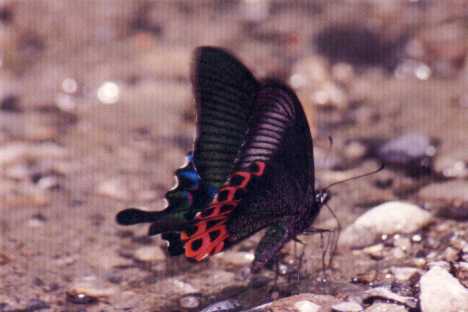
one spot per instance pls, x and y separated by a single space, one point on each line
388 218
440 291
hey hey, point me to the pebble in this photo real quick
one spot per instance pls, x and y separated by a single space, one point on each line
311 77
114 188
367 277
174 285
388 218
453 164
150 254
306 306
355 150
450 199
189 302
16 152
404 243
37 305
347 307
12 152
398 253
375 251
440 291
106 259
325 302
407 150
10 103
386 294
225 305
404 273
459 243
236 258
386 307
451 254
89 290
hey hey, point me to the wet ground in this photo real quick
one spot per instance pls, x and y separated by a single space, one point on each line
96 113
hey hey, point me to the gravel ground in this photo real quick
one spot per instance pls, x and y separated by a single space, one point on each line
96 113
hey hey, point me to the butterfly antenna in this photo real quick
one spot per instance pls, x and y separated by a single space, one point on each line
381 167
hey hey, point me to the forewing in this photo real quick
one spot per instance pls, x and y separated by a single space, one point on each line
224 92
278 134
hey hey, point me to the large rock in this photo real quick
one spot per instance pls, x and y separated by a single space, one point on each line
388 218
440 291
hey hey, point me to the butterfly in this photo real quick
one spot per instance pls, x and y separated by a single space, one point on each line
252 167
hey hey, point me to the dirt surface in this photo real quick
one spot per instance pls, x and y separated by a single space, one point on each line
96 113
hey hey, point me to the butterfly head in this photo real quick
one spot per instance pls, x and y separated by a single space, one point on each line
322 197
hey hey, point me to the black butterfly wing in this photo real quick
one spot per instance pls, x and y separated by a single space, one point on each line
225 93
272 173
279 137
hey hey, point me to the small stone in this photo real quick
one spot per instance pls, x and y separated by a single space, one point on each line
404 273
388 218
453 164
237 258
375 251
386 294
450 199
347 307
225 305
386 307
406 150
10 103
288 304
114 188
420 262
174 285
459 243
189 302
440 291
89 290
367 277
37 305
402 242
4 259
306 306
37 220
416 238
355 150
150 254
397 253
106 259
451 254
12 152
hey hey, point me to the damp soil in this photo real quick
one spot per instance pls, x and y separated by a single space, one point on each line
96 113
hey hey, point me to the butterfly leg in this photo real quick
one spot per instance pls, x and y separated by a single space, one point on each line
275 237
